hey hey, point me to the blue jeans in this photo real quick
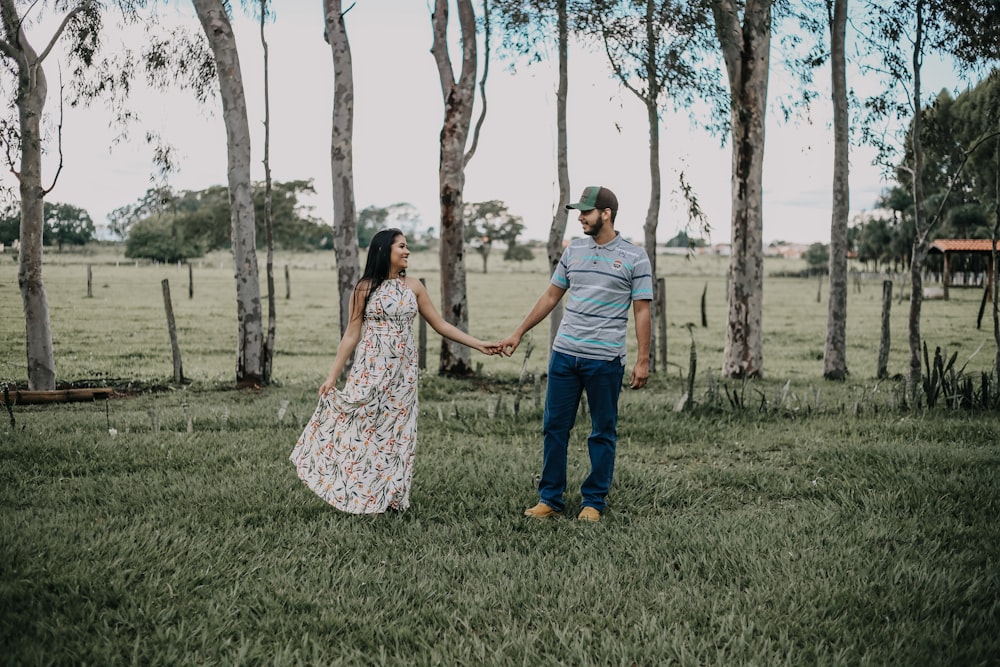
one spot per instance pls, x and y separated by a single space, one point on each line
569 377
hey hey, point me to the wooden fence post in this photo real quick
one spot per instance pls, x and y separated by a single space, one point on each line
883 348
172 330
288 284
90 282
422 338
190 281
704 314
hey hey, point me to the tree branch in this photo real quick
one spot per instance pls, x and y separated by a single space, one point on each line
616 66
12 24
59 127
730 34
482 84
439 47
62 26
8 50
10 158
467 22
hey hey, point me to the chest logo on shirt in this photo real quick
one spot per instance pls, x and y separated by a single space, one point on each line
616 265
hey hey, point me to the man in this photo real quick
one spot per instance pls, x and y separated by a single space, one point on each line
603 274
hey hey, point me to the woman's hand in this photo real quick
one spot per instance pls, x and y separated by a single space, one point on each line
489 349
328 385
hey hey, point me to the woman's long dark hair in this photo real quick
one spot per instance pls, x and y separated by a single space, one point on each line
378 263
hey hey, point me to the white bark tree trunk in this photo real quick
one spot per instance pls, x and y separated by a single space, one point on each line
272 308
345 217
655 187
459 96
835 352
37 325
995 267
920 225
20 56
746 50
557 231
250 339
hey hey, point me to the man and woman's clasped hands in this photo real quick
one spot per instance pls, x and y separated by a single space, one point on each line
505 347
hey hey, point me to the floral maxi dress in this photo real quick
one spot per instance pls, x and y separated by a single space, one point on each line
356 452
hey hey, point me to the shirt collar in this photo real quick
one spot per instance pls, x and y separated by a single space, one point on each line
610 245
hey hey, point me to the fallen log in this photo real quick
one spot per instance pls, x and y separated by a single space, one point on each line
30 397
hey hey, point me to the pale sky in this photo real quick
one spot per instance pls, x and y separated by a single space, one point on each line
398 115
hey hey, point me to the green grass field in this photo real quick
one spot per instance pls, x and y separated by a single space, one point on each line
120 332
830 528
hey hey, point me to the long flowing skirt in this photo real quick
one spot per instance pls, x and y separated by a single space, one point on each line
356 452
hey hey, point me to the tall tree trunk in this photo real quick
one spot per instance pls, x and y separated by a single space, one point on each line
459 97
345 216
38 330
995 266
746 50
272 309
653 210
250 339
835 353
557 231
30 101
920 245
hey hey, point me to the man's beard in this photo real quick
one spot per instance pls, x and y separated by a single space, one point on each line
595 228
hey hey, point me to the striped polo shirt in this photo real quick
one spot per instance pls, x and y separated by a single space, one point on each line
602 282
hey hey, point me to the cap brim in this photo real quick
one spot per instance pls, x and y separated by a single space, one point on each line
580 206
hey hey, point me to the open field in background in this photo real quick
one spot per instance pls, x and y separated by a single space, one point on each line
121 331
169 528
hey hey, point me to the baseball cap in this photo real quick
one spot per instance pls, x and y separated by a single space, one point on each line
595 196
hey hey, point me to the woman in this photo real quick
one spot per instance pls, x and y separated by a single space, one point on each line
356 453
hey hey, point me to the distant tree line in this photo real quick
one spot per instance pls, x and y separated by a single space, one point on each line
173 226
402 216
65 225
168 226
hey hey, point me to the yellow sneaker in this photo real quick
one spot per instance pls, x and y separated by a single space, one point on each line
541 511
589 514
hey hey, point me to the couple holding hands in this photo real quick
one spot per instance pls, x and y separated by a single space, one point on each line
357 450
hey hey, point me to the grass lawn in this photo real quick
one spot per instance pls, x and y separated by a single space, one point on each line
820 525
731 538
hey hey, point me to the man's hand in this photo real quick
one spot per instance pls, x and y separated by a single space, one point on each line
640 374
509 344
